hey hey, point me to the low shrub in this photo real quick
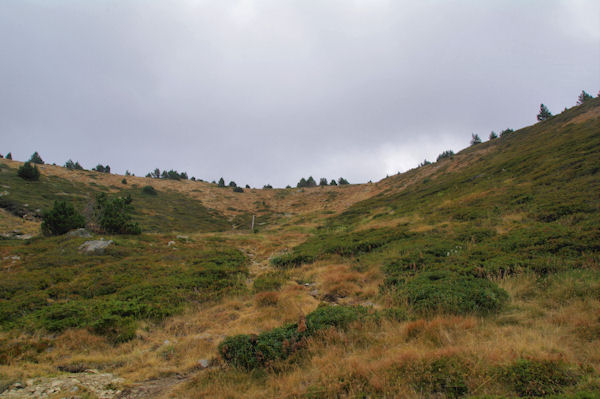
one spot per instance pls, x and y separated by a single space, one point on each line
28 171
451 292
61 219
532 377
256 351
149 190
333 316
445 375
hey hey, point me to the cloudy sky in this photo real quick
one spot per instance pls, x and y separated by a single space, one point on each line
268 91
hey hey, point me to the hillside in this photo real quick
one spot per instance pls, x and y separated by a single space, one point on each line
475 276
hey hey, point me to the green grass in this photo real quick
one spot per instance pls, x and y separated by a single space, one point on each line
56 287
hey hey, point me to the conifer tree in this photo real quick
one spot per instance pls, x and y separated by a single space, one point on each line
544 113
583 97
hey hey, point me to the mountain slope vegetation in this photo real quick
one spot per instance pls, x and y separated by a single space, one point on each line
474 276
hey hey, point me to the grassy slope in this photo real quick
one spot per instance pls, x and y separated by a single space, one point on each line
519 213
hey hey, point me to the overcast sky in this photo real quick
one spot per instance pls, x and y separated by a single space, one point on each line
269 91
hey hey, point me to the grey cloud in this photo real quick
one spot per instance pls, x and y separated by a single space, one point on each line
268 91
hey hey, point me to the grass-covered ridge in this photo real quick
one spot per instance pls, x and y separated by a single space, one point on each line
166 211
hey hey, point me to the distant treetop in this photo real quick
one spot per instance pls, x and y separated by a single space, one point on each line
475 139
36 158
544 113
583 97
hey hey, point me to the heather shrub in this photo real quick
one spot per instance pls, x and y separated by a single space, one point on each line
61 219
149 190
451 292
531 377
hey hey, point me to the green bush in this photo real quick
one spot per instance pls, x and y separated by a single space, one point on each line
530 377
29 172
237 189
149 190
114 214
442 376
256 351
61 219
333 316
451 292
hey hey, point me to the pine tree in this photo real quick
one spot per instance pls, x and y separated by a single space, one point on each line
493 135
342 181
35 158
333 182
322 181
544 113
310 182
221 182
475 139
9 156
583 97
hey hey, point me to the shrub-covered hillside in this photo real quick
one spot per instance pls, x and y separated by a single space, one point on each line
476 276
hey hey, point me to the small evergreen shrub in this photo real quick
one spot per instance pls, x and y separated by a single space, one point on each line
451 292
267 187
333 316
29 172
114 215
124 181
61 219
530 377
475 139
250 352
445 375
238 190
149 190
9 156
